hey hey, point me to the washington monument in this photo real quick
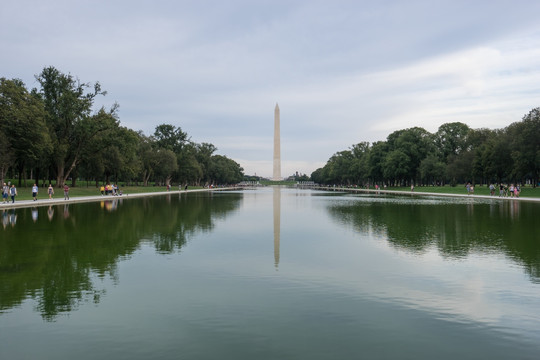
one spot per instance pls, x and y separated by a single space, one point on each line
277 147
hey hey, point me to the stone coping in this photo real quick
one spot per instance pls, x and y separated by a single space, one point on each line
422 193
95 198
59 200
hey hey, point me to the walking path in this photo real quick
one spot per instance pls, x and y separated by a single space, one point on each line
421 193
80 199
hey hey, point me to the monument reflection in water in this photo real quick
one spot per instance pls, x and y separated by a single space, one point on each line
277 222
195 276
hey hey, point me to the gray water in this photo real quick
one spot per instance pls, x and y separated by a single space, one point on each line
273 273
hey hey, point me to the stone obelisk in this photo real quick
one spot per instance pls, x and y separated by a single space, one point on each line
277 146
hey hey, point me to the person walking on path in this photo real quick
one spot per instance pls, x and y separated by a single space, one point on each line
13 193
50 190
66 192
5 192
34 192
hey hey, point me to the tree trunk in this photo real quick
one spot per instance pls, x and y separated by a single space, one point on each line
146 177
37 176
60 174
3 170
71 167
21 172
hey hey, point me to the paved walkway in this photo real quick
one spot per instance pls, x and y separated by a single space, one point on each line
80 199
418 193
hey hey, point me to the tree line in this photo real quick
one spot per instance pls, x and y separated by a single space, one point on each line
54 133
454 154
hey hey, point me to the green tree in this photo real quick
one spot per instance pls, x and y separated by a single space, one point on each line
6 156
69 117
165 164
376 159
451 139
127 144
432 170
415 143
396 166
170 137
189 169
223 170
204 153
496 157
148 156
359 166
338 169
22 118
317 176
524 145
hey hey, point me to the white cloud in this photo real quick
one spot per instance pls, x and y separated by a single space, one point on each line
342 72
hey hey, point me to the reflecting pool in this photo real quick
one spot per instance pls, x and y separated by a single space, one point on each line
273 273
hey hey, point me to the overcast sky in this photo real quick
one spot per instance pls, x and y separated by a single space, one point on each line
342 71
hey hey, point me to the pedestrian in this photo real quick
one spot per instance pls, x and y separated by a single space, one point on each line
492 189
34 192
501 190
13 193
102 190
66 192
50 190
5 192
468 186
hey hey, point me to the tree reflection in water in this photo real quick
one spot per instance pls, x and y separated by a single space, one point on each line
52 256
455 227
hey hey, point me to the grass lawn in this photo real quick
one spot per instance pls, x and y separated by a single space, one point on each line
526 191
25 193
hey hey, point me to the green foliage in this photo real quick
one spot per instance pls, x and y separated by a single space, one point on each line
454 154
22 124
170 137
69 118
55 132
223 170
451 139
